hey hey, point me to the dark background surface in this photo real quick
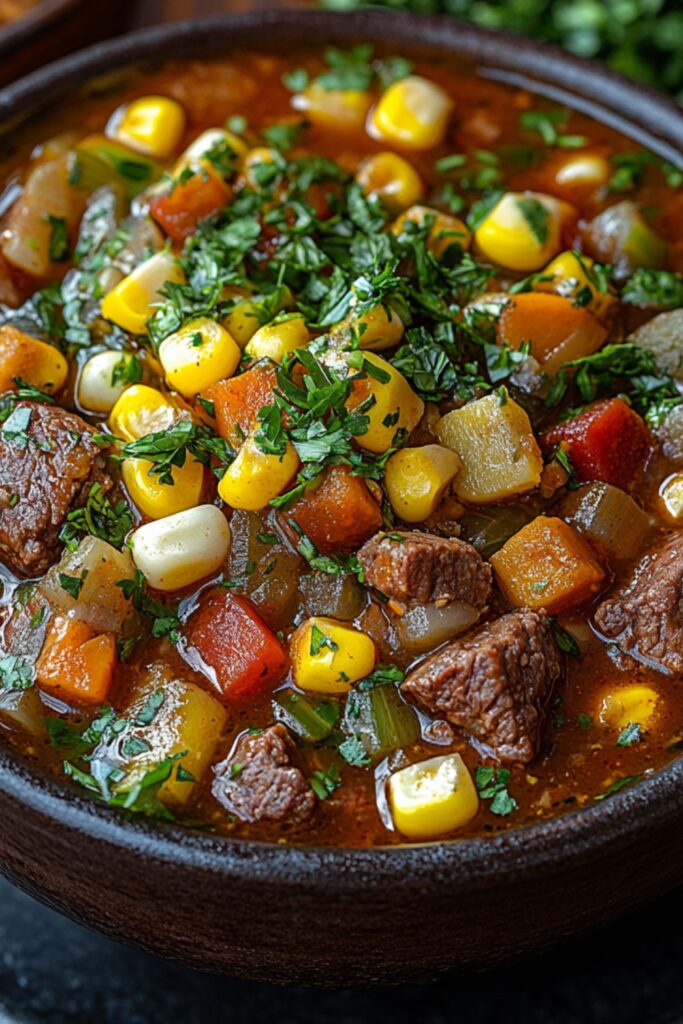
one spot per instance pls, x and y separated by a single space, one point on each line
55 972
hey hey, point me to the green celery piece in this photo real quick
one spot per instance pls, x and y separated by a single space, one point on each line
312 723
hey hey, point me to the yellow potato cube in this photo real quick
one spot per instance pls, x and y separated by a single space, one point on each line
256 477
245 318
629 705
381 327
570 276
188 720
396 406
198 355
36 362
522 231
139 411
392 179
495 442
153 499
278 338
132 301
432 797
328 656
445 231
416 480
412 113
343 110
152 125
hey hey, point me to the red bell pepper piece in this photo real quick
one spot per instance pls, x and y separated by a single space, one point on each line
608 442
238 652
179 210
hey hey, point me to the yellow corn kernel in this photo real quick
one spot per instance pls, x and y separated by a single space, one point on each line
570 275
189 722
139 411
499 454
396 405
522 231
245 318
198 355
416 480
36 362
432 797
671 493
392 179
341 109
155 500
412 113
213 139
256 158
152 125
132 301
256 477
629 705
583 169
381 327
328 656
445 231
279 338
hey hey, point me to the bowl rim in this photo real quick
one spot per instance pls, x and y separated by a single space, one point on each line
576 836
35 21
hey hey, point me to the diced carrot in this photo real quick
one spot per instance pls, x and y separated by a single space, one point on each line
547 564
76 663
339 513
239 400
240 654
608 442
557 329
179 210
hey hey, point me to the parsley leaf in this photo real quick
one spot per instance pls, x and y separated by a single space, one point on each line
492 784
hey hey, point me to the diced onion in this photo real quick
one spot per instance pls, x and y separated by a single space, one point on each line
426 626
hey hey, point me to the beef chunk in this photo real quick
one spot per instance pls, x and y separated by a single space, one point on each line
495 684
48 463
258 782
645 615
422 567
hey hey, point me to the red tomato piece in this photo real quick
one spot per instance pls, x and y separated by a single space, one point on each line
608 442
187 203
243 656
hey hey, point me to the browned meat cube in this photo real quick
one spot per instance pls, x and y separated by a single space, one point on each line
48 463
644 616
495 684
258 781
421 567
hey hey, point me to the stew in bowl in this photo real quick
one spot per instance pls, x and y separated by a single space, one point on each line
341 455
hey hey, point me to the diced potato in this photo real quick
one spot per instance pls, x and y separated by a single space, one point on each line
182 549
663 337
416 480
412 113
608 517
255 477
278 339
245 317
392 179
188 719
547 564
34 361
397 407
329 656
23 709
570 276
155 499
100 603
523 230
379 328
432 797
343 110
620 236
444 232
629 705
499 454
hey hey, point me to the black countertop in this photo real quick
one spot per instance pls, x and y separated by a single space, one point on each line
55 972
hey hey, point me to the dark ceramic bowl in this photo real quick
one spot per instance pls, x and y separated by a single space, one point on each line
334 916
